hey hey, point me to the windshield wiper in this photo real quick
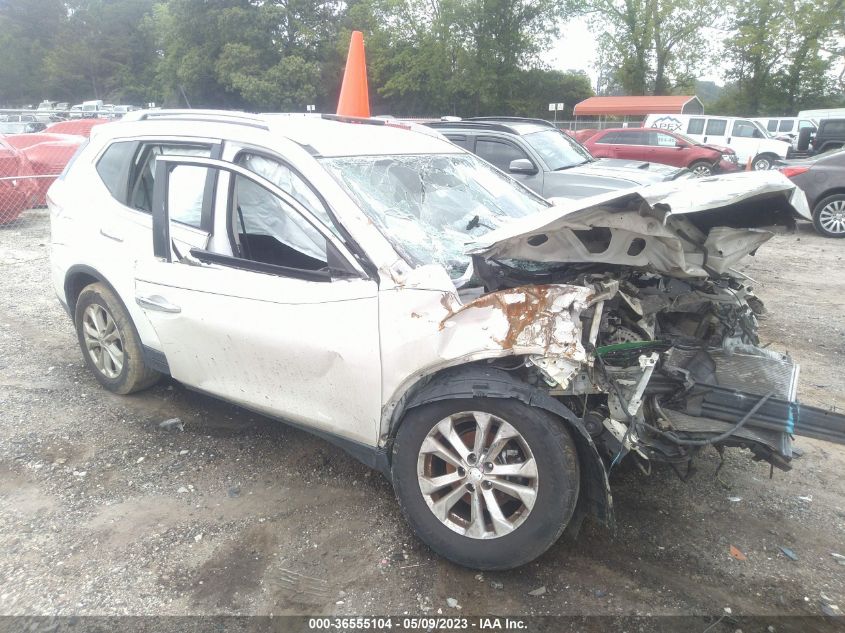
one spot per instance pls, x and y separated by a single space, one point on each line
583 162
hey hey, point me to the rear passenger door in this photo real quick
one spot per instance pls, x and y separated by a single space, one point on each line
632 145
501 153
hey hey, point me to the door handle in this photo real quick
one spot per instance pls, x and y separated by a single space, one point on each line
110 235
157 303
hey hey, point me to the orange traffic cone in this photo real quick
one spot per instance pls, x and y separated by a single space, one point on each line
354 94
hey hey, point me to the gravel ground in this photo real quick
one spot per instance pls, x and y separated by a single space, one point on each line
104 512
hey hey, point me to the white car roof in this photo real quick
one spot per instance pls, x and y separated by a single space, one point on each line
322 137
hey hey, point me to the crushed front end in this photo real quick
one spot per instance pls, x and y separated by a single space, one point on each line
673 359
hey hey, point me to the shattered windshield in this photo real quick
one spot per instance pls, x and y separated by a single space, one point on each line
431 206
557 150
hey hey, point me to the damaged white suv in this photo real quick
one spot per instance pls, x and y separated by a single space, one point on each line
317 270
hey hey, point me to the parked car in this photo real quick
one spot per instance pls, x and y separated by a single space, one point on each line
17 190
829 135
18 118
548 161
21 127
75 111
822 178
91 108
78 127
316 270
746 137
46 157
662 146
119 110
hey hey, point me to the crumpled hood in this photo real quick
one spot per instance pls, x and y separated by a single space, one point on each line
683 228
640 172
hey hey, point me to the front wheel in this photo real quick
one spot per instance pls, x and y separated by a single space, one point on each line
701 169
829 216
762 162
488 483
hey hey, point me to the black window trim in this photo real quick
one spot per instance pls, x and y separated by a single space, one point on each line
260 267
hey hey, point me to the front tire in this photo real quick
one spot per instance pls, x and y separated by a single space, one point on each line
110 344
701 168
488 483
762 162
829 216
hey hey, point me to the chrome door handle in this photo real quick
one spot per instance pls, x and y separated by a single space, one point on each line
110 236
158 303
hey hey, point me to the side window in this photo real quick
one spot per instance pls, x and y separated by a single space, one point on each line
461 140
772 125
633 138
288 181
804 123
745 129
113 168
716 127
186 193
498 153
609 139
695 126
268 230
836 128
142 179
785 126
664 140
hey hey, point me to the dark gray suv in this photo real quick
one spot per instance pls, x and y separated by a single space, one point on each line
548 161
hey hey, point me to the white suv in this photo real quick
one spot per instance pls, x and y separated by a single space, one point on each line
316 270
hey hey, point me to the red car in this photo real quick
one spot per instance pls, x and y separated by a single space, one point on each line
46 156
81 127
661 146
17 190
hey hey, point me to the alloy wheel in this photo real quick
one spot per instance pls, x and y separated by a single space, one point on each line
102 340
477 474
832 217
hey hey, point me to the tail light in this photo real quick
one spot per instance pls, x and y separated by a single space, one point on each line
789 172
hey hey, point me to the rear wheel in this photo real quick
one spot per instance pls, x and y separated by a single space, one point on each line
829 216
701 168
488 483
110 345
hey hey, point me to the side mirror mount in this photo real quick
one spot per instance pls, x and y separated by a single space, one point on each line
680 144
522 166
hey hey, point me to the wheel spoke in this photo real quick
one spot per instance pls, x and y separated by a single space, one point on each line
447 429
527 469
90 330
116 355
429 485
442 506
501 525
432 446
505 434
477 527
482 424
99 321
525 494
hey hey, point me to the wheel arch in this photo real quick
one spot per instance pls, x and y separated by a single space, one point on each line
476 380
833 191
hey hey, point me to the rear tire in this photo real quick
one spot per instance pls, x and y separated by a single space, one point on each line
829 216
701 168
109 342
485 527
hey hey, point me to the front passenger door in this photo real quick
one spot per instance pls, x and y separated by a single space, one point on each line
286 323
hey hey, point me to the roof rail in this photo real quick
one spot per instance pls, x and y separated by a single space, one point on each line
228 116
462 125
513 119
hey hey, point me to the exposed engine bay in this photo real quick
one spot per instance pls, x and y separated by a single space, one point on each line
672 360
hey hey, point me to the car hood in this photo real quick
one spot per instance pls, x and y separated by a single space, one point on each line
683 228
639 172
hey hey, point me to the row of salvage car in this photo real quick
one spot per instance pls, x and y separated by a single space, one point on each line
493 354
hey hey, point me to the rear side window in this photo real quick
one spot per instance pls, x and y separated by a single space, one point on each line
834 127
460 140
696 126
497 153
113 167
716 127
772 125
632 138
609 139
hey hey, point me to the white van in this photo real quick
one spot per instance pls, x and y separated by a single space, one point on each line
788 127
90 109
746 137
829 113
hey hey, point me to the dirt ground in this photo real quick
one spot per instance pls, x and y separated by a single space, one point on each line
104 512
